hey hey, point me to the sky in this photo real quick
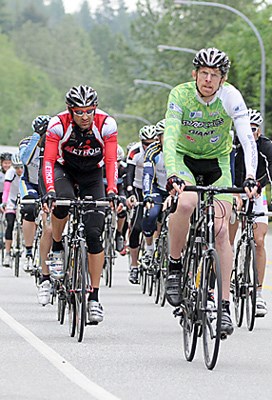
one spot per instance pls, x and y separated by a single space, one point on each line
74 5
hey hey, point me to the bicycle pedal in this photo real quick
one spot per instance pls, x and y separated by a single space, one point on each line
92 323
223 336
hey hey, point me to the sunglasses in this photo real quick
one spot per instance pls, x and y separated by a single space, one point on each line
80 113
254 129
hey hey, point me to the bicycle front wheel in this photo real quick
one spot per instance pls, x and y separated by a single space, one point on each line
239 283
80 290
251 284
211 290
163 269
17 243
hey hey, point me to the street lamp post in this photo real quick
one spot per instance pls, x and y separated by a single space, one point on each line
162 47
255 30
155 83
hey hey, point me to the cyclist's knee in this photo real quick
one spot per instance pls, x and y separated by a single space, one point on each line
61 212
185 207
29 212
94 245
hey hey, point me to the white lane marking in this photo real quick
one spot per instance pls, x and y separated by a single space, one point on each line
59 362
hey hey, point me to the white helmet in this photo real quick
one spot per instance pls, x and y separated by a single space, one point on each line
81 96
212 58
160 127
255 117
16 161
120 153
148 132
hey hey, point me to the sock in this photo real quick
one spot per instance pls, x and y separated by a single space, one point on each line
29 251
150 248
57 246
226 305
174 264
94 294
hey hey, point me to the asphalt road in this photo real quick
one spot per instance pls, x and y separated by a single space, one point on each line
135 354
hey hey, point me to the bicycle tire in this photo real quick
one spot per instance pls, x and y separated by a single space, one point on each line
71 285
72 314
211 318
17 251
191 328
111 260
156 263
251 286
239 283
81 293
163 269
150 280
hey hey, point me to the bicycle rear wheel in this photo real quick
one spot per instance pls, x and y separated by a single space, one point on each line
239 283
211 287
251 284
80 290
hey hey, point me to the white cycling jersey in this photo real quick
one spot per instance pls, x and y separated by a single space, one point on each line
136 157
10 197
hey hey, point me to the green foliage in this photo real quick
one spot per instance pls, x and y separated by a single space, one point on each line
25 92
45 51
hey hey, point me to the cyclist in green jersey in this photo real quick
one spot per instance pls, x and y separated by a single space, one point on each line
197 142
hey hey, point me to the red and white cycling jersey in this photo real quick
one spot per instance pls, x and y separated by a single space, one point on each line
81 152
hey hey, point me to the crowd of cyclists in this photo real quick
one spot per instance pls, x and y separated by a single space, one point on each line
76 154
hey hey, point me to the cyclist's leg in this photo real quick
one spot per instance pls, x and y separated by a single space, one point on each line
136 227
178 230
10 218
223 209
64 187
149 227
29 213
260 231
46 237
94 225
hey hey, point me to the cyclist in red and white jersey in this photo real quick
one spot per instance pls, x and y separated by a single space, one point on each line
79 142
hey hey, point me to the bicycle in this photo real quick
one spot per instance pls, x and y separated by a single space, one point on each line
244 279
201 308
76 281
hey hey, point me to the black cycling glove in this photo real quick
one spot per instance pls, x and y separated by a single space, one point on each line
250 183
173 179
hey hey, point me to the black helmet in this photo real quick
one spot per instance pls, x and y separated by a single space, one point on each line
212 58
40 123
81 96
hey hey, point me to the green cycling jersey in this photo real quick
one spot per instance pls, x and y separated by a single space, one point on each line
199 129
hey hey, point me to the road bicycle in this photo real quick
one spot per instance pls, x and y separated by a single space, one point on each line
244 279
201 308
76 282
